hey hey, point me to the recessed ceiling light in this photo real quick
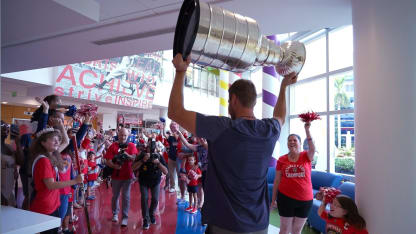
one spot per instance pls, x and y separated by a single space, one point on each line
4 102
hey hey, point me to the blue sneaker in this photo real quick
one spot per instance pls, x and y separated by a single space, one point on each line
91 198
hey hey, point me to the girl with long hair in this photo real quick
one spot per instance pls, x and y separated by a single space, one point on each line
46 163
343 217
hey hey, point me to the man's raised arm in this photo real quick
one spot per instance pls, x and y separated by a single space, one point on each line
279 111
176 109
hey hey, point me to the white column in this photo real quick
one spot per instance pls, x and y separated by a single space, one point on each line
385 113
223 91
271 87
110 121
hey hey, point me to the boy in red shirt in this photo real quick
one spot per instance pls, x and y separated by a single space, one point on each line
193 173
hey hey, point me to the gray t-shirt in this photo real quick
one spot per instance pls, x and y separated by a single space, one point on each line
239 152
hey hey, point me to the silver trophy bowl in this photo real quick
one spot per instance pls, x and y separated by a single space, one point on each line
218 38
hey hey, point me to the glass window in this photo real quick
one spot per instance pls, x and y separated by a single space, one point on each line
189 78
204 81
315 63
308 96
167 66
312 94
341 91
318 134
342 143
212 85
340 48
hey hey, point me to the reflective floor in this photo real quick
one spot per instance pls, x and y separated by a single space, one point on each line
170 218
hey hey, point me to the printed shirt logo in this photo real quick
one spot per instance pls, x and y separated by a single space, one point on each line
295 171
333 229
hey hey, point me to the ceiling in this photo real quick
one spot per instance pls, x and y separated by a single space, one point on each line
37 34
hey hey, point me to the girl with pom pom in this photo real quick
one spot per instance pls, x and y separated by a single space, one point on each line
343 217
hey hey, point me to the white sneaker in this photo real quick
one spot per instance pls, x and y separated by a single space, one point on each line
172 190
115 218
124 222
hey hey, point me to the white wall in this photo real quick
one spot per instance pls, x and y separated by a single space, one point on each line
385 113
110 121
39 76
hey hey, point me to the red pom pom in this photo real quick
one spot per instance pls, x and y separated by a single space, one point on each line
85 109
330 194
309 116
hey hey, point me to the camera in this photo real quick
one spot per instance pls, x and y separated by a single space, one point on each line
121 157
152 146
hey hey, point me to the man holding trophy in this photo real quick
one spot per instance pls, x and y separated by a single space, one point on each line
240 147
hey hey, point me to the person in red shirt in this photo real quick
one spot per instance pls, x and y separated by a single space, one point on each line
92 174
193 174
120 156
292 184
343 217
45 165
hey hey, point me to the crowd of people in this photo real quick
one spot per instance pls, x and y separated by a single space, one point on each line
220 162
51 178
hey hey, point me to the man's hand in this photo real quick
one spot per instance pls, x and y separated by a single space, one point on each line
156 161
289 79
79 179
180 64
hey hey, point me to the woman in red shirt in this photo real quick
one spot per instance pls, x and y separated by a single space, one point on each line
44 170
292 184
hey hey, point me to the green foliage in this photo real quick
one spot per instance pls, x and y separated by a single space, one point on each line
341 99
345 165
344 152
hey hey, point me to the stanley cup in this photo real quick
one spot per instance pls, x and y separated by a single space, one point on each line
219 38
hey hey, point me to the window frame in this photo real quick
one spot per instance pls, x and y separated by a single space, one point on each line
311 36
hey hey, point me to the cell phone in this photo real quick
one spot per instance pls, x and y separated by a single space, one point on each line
14 131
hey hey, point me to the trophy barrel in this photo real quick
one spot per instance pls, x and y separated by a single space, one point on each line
222 39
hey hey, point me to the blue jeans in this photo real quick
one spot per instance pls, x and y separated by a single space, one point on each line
146 211
63 208
117 186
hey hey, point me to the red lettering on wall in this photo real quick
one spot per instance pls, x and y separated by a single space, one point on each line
71 76
59 91
109 99
81 79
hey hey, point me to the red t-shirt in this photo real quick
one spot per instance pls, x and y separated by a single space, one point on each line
71 195
46 201
65 174
188 168
339 226
126 172
296 177
92 175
